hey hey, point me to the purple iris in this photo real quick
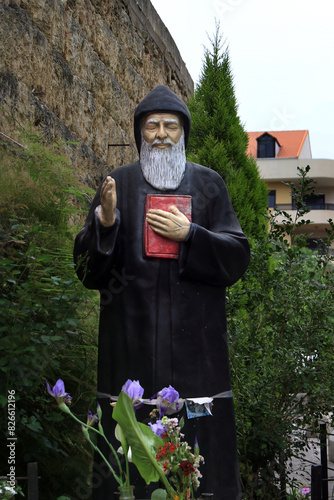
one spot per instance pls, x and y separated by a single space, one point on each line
91 419
168 400
135 391
158 428
58 392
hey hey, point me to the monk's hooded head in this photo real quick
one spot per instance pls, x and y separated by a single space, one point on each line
162 125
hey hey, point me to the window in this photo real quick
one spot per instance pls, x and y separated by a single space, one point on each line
316 201
266 146
316 244
272 198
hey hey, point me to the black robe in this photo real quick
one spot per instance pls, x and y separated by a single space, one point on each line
163 321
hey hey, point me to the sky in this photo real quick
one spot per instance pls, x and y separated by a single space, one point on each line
281 56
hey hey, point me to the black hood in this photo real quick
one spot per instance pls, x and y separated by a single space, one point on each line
161 99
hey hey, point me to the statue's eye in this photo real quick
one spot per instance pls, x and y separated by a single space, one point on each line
151 126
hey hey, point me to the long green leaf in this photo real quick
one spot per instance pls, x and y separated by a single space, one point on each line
144 443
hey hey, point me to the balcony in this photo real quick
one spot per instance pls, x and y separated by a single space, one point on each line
285 169
290 206
318 215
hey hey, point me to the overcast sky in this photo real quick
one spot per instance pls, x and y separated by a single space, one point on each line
281 54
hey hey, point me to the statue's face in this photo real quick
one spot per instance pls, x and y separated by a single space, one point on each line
160 127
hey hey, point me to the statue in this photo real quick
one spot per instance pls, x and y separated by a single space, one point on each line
162 318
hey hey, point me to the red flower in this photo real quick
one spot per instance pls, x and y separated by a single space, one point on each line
187 467
167 450
166 464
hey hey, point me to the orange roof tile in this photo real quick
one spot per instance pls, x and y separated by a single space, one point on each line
290 141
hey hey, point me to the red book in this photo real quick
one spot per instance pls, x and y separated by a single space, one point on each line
156 245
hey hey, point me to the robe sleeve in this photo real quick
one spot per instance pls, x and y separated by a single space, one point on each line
216 253
214 259
95 249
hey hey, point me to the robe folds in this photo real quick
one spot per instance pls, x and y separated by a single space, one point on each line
163 321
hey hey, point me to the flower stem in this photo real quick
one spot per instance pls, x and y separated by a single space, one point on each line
96 448
127 480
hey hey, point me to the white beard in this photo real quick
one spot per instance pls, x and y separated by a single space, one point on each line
163 168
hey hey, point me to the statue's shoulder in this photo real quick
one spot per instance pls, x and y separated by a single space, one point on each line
204 173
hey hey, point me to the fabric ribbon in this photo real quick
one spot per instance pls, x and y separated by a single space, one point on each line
203 401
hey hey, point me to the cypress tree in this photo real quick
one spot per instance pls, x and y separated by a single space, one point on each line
219 141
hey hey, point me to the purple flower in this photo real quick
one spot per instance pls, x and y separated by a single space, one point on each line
167 400
306 491
58 392
91 419
158 428
135 391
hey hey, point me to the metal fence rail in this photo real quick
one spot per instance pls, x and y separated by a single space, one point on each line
319 473
32 478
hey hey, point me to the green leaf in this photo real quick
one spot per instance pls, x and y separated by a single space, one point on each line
54 417
159 494
144 443
3 401
73 322
34 425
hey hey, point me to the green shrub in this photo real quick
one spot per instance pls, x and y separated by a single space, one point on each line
281 318
48 322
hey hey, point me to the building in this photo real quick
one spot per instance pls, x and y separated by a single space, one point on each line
278 154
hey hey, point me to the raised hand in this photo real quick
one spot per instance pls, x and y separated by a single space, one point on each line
107 209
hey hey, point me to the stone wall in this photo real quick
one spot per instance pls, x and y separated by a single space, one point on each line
76 69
